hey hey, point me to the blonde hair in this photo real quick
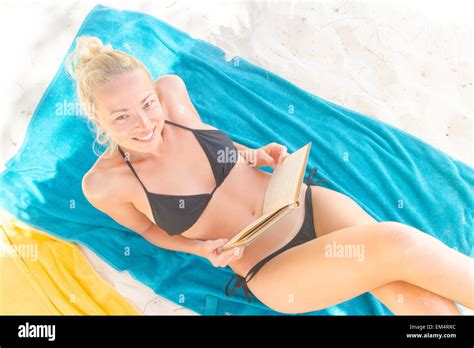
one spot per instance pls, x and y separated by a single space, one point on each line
91 64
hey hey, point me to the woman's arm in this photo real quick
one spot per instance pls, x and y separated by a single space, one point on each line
268 155
158 237
127 215
241 147
247 153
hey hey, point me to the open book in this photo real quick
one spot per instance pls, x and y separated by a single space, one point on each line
281 197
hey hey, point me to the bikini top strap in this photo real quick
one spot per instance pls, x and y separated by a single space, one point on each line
179 125
131 167
214 190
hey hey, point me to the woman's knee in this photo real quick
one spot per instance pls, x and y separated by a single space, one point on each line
398 233
402 240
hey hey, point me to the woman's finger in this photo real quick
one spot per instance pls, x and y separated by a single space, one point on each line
216 245
228 256
267 158
236 254
283 152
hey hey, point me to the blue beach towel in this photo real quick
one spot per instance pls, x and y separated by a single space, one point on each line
391 174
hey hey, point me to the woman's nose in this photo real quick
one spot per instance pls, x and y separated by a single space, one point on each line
142 122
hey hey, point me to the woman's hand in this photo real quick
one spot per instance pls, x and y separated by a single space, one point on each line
270 155
211 250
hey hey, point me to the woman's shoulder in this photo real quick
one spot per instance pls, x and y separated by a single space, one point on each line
103 179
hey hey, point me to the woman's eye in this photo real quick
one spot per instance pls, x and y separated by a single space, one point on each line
121 117
147 105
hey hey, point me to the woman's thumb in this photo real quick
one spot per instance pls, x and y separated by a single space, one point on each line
267 158
218 244
221 241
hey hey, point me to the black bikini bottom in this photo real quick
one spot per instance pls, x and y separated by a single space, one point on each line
305 234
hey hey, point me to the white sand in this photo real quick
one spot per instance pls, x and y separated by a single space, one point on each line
406 63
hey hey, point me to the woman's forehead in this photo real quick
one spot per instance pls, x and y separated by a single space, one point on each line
122 91
131 79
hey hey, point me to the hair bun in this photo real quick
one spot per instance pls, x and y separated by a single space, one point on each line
87 47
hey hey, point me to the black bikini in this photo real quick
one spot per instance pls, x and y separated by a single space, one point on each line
176 214
305 234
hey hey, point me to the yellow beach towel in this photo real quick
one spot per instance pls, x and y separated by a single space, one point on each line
43 275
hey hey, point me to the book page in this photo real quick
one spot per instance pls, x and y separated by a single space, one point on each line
281 196
274 218
286 180
261 229
248 229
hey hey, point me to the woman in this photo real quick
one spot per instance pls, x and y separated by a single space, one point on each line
161 176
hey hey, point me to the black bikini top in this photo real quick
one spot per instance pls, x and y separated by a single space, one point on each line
176 214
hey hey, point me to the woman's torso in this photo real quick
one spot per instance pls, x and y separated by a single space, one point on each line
185 170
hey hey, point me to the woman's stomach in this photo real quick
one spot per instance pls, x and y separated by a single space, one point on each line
272 239
238 202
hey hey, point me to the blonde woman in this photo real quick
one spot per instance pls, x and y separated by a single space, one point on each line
161 177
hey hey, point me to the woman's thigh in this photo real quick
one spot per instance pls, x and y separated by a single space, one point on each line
333 211
330 269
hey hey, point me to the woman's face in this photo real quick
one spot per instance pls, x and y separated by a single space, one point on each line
130 112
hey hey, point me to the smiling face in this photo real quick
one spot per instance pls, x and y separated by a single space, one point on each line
129 111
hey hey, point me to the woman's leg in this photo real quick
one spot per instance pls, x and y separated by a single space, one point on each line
333 211
317 275
403 298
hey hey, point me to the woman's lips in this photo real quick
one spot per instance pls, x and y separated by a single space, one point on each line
147 138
